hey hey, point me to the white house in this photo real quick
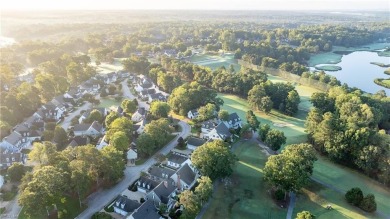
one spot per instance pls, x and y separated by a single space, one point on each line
175 160
192 114
131 156
8 157
193 143
125 206
145 185
92 130
139 114
234 121
220 132
164 193
207 126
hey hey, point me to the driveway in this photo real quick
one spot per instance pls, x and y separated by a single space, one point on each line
66 123
99 199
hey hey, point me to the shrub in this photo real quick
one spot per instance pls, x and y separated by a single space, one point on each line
109 209
354 196
368 203
305 215
101 215
142 200
279 194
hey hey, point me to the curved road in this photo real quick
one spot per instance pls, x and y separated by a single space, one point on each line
99 199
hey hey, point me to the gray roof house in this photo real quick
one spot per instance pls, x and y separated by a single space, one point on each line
145 184
8 157
185 177
163 193
92 130
124 205
79 141
158 173
193 143
220 132
175 160
234 121
146 211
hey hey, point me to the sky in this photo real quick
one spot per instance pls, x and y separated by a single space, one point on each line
195 4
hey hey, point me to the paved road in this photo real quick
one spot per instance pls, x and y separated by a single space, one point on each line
12 209
66 123
291 206
99 199
128 94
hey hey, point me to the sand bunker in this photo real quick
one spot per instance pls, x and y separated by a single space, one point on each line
281 125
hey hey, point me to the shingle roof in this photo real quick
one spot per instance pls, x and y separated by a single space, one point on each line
81 127
13 138
145 182
176 158
141 111
186 174
195 141
146 211
97 126
78 140
158 172
157 96
164 189
208 124
21 128
234 118
4 154
222 130
126 204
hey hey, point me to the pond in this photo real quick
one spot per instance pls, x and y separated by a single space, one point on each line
357 70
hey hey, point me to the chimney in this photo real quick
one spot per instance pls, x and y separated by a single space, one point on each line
178 182
166 184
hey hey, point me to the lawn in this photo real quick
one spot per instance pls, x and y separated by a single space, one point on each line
340 177
215 61
316 197
109 102
247 196
71 206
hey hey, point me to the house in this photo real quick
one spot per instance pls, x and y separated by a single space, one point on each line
79 141
147 211
92 130
14 142
60 101
221 132
207 126
139 114
124 205
234 121
193 143
157 97
131 156
89 86
123 74
103 111
175 160
145 185
73 93
101 143
50 111
163 193
109 77
139 127
8 157
192 114
185 177
143 83
159 174
144 94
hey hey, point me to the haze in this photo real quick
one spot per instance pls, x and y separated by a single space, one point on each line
383 5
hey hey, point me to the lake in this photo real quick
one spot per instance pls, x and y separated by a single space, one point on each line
358 72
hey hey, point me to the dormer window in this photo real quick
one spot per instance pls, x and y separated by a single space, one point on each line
13 159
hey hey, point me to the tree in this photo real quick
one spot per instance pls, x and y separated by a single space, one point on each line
252 120
191 204
110 118
120 141
368 203
354 196
79 179
60 138
95 115
145 145
45 153
274 139
255 96
305 215
291 169
206 112
266 104
15 172
214 159
181 143
50 126
114 164
292 102
263 131
158 131
120 124
128 106
204 189
159 109
223 115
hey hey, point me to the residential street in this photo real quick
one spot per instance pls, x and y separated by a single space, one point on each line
101 198
129 95
66 123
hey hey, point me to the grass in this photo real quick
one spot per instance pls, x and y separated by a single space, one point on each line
387 71
382 82
315 198
215 61
340 177
247 197
328 68
71 206
108 102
